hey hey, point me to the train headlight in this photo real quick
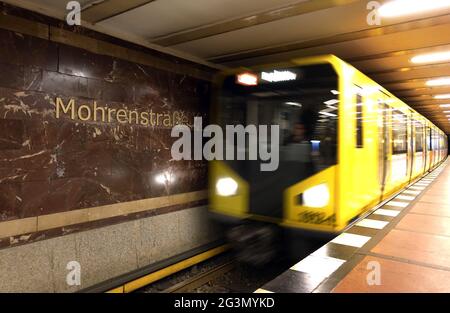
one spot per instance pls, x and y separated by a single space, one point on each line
226 187
317 196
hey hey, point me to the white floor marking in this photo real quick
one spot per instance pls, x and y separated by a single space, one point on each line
386 212
352 240
402 197
411 192
321 266
260 290
416 188
372 223
398 204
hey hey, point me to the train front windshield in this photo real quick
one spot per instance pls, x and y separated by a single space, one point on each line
303 101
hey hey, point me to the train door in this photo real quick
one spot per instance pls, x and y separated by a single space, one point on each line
399 162
425 150
428 146
433 148
359 179
421 152
411 147
383 135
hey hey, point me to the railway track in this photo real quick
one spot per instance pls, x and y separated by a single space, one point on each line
203 270
201 279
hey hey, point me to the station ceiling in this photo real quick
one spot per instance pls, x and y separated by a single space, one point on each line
228 33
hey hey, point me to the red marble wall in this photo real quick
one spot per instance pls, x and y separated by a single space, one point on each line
50 165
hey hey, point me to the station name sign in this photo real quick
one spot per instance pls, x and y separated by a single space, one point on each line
105 114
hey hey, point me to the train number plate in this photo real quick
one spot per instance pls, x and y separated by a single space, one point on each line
312 217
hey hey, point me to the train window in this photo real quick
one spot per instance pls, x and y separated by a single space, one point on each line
434 140
428 139
305 106
359 121
431 140
419 137
399 133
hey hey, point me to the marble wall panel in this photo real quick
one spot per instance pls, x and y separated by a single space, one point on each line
50 165
27 50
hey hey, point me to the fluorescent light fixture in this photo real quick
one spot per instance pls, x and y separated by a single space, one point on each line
334 92
443 96
226 187
444 81
247 79
408 7
295 104
445 105
327 114
317 196
446 111
431 57
278 76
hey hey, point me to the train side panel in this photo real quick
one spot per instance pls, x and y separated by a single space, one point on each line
383 146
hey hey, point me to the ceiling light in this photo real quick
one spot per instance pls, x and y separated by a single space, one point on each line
295 104
334 92
407 7
444 96
445 105
439 82
446 111
432 57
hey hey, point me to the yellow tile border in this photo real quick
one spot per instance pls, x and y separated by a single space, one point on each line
169 270
18 227
50 221
55 220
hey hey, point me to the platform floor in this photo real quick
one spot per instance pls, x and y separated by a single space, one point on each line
403 246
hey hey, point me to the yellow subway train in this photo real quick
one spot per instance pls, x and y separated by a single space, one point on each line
345 145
